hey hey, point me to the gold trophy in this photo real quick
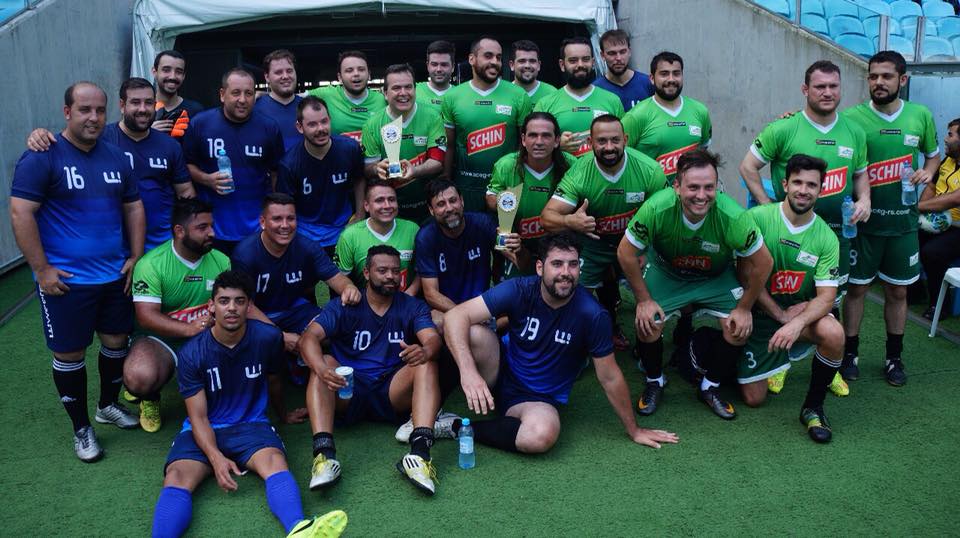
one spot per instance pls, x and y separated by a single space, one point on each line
508 201
392 134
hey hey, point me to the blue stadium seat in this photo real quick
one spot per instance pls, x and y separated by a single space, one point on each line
843 24
812 6
814 23
858 44
956 43
935 46
871 27
948 27
780 7
905 8
832 8
909 27
873 9
902 45
937 9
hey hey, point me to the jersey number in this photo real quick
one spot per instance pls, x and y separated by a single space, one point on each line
532 326
262 281
214 145
361 340
214 374
74 180
307 187
443 263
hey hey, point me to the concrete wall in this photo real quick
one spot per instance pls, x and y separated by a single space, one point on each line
41 53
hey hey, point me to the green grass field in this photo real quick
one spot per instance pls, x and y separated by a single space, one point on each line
891 470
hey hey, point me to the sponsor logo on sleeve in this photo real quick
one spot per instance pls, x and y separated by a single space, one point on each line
640 232
786 282
486 138
884 172
140 287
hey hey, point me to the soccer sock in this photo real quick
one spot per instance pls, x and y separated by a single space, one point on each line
822 372
683 331
323 444
706 384
499 433
894 346
110 364
71 381
283 498
651 356
421 439
851 347
171 517
721 362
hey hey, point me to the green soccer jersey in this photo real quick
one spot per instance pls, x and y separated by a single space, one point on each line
421 132
347 115
487 125
665 134
893 142
537 189
540 91
353 244
693 251
842 145
430 97
804 257
575 113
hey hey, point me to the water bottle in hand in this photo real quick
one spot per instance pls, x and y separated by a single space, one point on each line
224 167
467 457
846 210
908 191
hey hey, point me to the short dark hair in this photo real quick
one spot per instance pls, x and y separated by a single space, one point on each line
442 47
892 56
134 83
277 198
351 54
605 118
697 158
171 53
525 45
236 280
68 97
398 68
665 56
805 162
824 66
279 54
574 41
376 250
437 186
184 209
954 123
613 37
560 241
235 71
314 103
476 42
373 183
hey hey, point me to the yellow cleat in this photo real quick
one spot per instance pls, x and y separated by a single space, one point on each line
420 472
838 386
329 525
776 381
150 415
130 398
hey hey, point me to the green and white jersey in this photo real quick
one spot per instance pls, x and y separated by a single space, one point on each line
893 141
693 251
664 134
422 131
430 97
575 113
842 145
804 257
537 190
540 90
347 115
353 244
613 198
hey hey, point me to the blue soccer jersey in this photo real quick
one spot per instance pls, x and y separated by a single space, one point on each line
546 347
631 93
369 343
285 115
234 381
81 196
462 264
281 281
158 165
323 189
254 147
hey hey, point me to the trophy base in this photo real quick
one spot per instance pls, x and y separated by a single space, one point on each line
394 171
501 242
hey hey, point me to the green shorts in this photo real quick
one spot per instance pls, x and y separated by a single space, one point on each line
844 266
895 259
757 363
170 344
715 296
596 258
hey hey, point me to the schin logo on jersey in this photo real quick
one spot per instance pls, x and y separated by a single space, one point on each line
668 161
253 372
157 162
293 278
253 151
486 138
888 171
835 181
111 177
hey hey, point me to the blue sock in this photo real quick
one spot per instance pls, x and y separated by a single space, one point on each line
283 497
172 515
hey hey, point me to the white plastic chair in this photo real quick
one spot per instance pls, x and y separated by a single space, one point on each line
952 278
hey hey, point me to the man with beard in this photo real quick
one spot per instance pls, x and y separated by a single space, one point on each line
280 73
157 161
351 103
422 144
886 246
554 323
254 145
390 342
579 101
631 86
441 62
667 125
693 234
173 112
793 308
324 174
937 251
483 117
525 64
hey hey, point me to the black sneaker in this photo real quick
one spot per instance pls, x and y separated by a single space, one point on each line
849 370
719 407
817 425
894 373
650 399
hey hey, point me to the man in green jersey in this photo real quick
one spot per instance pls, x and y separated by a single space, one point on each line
693 233
793 309
579 101
668 125
351 103
525 64
382 227
897 133
441 60
422 144
482 119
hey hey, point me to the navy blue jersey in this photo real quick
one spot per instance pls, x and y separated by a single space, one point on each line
254 147
158 164
631 93
234 381
546 347
81 196
323 188
281 281
369 343
462 265
284 115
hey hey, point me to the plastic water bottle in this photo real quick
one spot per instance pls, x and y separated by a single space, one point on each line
846 210
224 166
467 457
908 191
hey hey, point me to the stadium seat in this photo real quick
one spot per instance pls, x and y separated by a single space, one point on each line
858 44
832 8
902 45
905 8
956 43
952 278
814 23
871 27
948 27
780 7
843 24
935 46
873 9
909 27
811 6
937 9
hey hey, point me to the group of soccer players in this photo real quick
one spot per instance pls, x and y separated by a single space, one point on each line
615 182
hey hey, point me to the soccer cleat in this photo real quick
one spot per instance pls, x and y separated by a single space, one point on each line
848 367
86 446
329 525
130 398
442 428
650 399
776 381
894 373
150 419
719 407
324 473
838 386
117 415
816 423
419 472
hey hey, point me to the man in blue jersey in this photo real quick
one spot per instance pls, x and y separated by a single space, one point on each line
254 145
324 175
173 111
391 343
226 375
631 86
280 72
78 219
554 324
157 161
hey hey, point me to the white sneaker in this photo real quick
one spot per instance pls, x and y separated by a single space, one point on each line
442 427
118 415
419 472
324 472
86 446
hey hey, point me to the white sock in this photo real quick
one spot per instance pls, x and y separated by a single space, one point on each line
707 384
659 380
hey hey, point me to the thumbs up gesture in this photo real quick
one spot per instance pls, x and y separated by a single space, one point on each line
579 221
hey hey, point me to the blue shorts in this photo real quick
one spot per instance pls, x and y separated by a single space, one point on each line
509 391
238 443
371 401
70 320
296 319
